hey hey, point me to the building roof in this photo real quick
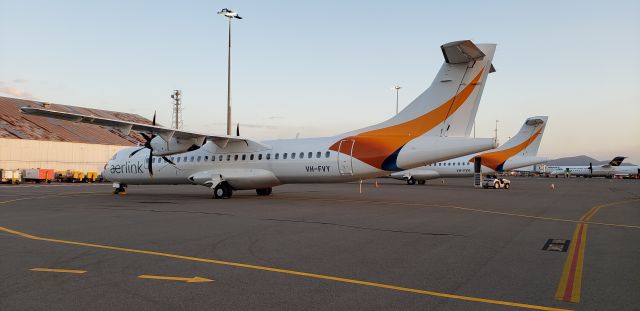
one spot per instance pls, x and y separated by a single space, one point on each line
16 125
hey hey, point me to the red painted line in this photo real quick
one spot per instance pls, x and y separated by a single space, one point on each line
574 263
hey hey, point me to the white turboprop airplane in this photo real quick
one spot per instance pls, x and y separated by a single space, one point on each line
613 168
430 129
517 152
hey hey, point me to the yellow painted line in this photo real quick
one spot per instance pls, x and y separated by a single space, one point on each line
472 210
195 279
570 285
57 270
571 278
292 272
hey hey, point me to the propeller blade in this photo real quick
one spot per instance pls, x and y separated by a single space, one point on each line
145 136
154 118
135 151
238 129
169 161
150 165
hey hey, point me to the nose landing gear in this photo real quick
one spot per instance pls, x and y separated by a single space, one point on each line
119 189
222 191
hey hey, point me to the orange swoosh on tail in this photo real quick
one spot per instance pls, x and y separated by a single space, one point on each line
493 159
375 146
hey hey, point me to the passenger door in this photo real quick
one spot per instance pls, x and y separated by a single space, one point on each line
345 159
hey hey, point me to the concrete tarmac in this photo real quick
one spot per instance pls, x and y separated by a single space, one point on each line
439 246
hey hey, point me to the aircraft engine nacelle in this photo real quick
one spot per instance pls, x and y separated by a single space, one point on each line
161 147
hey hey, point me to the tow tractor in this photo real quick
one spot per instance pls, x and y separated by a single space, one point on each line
496 182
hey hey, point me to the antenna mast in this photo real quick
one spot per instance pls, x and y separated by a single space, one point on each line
176 116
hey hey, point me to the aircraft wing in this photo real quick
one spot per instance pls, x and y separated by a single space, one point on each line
125 127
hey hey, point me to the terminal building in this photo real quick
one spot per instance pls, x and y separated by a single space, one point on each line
38 142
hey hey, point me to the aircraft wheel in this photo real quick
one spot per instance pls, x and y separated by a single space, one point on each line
264 191
222 191
495 185
506 186
411 181
422 182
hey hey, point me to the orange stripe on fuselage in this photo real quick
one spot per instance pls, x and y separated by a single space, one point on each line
373 147
493 159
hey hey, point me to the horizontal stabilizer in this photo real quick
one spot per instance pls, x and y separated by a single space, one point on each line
459 52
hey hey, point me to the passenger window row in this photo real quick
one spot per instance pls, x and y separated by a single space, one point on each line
450 164
243 157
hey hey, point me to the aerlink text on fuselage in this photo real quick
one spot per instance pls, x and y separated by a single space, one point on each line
127 168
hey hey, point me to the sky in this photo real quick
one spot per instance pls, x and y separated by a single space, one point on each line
319 68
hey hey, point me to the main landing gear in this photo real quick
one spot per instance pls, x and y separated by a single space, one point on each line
264 191
412 181
222 191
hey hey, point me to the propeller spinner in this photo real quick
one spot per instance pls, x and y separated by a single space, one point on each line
147 145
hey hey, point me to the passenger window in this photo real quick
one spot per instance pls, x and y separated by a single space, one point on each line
184 159
251 157
268 156
301 155
284 156
235 157
228 157
206 158
318 154
171 159
244 157
277 156
220 158
260 156
310 155
199 158
191 160
178 160
293 155
327 154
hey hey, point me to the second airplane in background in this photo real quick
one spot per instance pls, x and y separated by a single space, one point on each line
517 152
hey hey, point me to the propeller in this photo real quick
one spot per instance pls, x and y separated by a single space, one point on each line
238 129
147 145
591 168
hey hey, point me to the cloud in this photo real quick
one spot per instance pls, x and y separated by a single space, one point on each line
6 88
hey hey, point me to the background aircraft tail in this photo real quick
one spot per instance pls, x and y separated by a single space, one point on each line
520 149
617 161
529 137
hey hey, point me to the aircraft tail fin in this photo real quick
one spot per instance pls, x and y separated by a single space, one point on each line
529 137
446 108
449 105
524 145
617 161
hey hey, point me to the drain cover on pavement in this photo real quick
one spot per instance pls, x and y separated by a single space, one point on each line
556 245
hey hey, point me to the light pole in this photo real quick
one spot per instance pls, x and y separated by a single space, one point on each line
230 15
397 88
